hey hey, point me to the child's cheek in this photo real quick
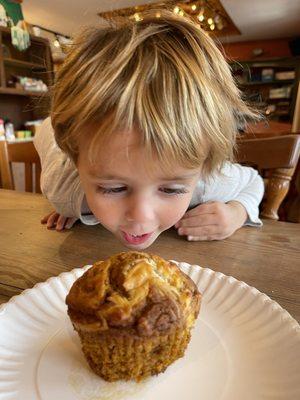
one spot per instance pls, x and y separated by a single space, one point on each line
174 212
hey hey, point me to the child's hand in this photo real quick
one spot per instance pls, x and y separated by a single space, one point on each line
57 221
212 221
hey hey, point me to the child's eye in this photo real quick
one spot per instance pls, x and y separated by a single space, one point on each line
173 190
112 190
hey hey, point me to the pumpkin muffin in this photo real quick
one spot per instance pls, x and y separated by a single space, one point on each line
134 313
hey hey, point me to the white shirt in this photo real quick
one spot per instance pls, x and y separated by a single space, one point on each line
60 183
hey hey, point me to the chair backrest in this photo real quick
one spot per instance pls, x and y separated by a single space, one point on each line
276 159
22 152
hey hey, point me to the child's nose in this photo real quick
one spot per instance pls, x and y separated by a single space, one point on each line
140 211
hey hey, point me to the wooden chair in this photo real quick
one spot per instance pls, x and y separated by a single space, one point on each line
276 159
23 152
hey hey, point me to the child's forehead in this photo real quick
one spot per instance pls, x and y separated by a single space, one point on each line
124 154
132 162
142 175
119 149
115 147
117 141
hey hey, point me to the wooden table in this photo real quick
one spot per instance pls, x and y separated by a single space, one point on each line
267 258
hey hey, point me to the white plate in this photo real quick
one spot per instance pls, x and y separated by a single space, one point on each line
244 347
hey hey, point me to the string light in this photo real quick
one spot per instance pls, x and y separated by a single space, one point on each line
220 25
217 18
137 17
204 12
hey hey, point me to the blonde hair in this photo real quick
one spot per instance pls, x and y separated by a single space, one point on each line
163 76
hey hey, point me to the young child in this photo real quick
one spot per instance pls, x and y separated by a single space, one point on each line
142 129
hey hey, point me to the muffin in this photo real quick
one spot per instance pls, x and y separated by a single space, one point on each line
134 313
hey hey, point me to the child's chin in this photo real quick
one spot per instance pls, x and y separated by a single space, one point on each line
137 247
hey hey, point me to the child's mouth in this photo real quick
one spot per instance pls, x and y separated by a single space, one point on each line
136 239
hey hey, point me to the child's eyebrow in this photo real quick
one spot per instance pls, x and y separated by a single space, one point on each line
177 178
106 177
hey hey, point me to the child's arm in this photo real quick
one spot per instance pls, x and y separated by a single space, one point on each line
226 202
59 180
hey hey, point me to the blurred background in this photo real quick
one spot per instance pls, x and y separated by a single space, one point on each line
260 39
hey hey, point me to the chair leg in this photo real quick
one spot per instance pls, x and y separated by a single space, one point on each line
37 178
293 213
28 177
277 188
7 180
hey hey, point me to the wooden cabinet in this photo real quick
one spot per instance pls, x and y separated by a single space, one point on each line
16 104
270 85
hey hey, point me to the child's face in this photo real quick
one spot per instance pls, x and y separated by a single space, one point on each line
132 196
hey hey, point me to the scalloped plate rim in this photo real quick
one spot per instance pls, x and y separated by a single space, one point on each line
204 277
219 275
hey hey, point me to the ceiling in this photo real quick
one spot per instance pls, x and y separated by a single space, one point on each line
256 19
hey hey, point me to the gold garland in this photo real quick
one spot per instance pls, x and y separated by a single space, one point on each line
209 14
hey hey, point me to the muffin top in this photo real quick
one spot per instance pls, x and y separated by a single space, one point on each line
133 291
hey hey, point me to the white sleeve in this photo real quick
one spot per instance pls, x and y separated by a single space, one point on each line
238 183
60 181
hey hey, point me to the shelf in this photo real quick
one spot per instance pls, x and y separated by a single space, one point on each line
21 92
30 139
286 62
260 83
23 64
281 114
279 99
17 104
7 31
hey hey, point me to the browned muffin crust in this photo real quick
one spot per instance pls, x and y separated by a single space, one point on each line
133 293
